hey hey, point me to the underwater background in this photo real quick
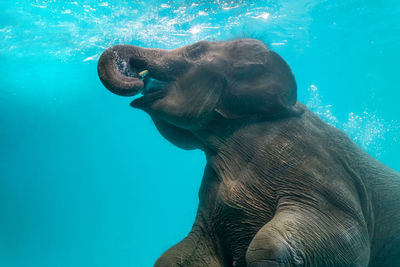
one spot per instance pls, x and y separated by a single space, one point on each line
86 180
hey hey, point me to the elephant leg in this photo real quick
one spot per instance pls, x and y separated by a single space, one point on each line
306 236
195 250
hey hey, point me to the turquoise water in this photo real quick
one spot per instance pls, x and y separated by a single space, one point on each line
85 180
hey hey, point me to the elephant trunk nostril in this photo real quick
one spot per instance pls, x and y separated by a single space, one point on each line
133 71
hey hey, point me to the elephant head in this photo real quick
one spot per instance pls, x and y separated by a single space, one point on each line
206 85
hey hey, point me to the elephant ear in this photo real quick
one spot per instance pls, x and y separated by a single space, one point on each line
264 87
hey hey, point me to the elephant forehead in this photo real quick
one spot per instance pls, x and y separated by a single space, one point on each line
247 51
240 44
240 51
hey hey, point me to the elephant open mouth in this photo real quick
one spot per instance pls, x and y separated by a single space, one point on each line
152 90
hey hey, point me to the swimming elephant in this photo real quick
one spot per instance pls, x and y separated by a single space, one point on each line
280 187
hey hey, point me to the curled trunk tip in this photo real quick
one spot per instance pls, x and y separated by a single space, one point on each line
115 71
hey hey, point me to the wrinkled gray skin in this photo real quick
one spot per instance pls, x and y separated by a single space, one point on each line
281 187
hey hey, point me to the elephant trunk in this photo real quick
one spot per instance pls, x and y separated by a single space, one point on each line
119 67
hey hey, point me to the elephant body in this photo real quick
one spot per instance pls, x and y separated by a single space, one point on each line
300 156
281 187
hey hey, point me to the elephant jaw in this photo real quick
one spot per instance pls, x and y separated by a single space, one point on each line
150 94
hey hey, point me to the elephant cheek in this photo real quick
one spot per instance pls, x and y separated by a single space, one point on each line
170 108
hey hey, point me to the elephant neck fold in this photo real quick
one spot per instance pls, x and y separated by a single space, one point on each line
233 151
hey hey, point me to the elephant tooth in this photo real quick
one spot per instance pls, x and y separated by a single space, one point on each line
143 73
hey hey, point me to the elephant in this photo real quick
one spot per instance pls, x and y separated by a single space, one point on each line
280 186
